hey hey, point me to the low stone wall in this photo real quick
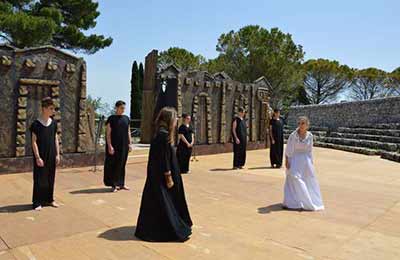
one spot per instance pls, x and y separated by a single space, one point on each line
349 114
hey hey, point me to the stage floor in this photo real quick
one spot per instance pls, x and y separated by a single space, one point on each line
237 214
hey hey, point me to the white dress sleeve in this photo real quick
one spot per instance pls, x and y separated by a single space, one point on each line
290 146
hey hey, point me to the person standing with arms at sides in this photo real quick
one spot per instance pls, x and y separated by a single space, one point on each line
276 135
239 134
164 214
301 186
118 145
46 155
185 144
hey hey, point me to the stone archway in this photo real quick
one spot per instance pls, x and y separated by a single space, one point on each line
202 118
26 112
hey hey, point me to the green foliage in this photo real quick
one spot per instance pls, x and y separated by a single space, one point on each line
182 58
254 51
136 91
29 23
369 84
325 79
100 108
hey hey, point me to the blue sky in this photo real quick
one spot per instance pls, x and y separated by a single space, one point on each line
358 33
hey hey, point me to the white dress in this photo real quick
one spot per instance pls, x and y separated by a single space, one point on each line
301 186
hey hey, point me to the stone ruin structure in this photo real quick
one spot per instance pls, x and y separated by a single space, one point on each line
211 100
27 76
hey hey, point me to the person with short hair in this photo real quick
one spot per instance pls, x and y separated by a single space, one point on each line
164 214
239 135
118 146
301 185
46 155
185 144
276 136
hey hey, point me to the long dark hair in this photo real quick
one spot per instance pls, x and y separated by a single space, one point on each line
165 119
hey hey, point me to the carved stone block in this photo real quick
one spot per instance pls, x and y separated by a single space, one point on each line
55 92
70 68
20 139
188 81
22 102
207 84
5 61
29 63
20 151
21 127
51 66
21 114
23 90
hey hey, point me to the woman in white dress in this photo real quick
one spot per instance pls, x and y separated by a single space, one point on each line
301 186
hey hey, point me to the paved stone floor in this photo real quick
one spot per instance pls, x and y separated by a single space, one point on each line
237 214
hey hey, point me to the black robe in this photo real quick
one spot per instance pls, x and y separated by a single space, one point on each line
276 150
239 150
114 165
44 177
164 215
183 152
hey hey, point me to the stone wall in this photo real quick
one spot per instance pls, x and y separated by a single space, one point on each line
27 76
211 99
349 114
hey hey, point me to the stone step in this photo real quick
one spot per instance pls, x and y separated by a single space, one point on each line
390 156
353 149
380 138
392 147
369 131
393 126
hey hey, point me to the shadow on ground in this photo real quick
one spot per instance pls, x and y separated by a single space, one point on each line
221 170
120 234
92 191
16 208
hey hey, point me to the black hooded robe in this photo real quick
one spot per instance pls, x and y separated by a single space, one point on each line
164 215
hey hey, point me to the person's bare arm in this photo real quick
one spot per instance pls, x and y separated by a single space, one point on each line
183 139
108 136
192 140
129 139
58 158
234 125
35 148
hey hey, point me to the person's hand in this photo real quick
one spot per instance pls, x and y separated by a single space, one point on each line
170 182
273 141
237 141
189 145
111 150
287 164
58 159
39 162
130 148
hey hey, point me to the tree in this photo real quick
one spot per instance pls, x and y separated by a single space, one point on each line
100 108
394 81
134 86
325 79
369 84
182 58
61 23
254 51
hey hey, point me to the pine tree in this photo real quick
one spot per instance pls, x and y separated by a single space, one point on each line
134 82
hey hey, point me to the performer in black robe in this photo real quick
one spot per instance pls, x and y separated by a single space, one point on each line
117 148
164 215
276 135
239 135
186 141
46 155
